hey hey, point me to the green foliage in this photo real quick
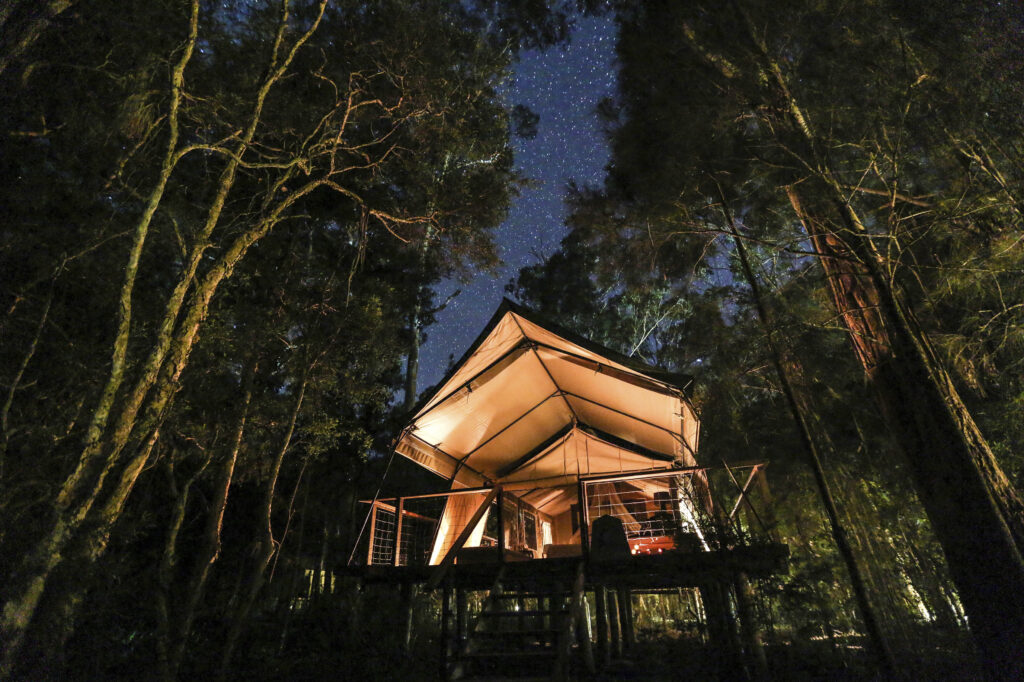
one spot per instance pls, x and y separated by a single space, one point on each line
909 108
385 133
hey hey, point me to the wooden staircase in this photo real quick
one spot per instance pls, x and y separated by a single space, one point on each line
526 629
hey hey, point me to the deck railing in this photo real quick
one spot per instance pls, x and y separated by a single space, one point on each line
697 509
403 531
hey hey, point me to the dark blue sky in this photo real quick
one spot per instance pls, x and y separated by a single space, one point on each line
563 85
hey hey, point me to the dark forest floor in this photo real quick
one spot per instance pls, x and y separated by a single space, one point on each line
655 657
666 658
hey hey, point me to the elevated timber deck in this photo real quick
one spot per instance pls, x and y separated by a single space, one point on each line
670 569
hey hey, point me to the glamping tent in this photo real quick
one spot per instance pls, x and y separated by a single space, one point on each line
537 410
568 468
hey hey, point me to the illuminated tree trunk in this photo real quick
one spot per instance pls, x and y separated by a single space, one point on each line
878 642
973 509
976 514
124 425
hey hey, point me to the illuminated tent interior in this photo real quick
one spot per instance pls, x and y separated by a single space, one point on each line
535 409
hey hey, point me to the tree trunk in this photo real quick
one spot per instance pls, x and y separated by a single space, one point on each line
412 361
168 562
878 643
975 512
210 550
104 448
977 515
268 545
39 563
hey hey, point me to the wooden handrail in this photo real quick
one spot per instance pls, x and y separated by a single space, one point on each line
449 558
660 473
446 493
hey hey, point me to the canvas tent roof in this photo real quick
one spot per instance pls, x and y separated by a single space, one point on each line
531 406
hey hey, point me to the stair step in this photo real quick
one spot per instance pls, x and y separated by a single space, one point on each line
536 632
532 595
488 656
508 679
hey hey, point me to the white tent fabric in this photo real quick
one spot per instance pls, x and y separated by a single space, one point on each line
532 409
457 512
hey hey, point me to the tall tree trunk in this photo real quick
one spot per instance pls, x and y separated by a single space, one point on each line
412 362
210 549
977 515
268 545
104 448
839 534
168 562
293 575
975 512
38 564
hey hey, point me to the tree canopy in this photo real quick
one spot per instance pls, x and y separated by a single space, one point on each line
226 223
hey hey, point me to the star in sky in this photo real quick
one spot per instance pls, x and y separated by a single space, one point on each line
564 86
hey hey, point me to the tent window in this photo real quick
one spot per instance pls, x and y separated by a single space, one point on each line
530 529
490 536
510 513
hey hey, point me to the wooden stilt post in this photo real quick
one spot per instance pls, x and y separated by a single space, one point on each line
613 620
748 628
601 599
626 617
406 634
585 635
446 607
722 635
399 513
460 618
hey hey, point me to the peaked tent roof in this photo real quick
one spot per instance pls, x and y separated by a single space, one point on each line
532 405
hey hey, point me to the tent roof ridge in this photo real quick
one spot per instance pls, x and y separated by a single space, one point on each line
673 380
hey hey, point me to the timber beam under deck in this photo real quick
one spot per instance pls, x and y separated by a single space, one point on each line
671 569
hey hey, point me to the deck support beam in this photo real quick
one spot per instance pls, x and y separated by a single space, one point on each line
446 607
406 632
748 627
626 618
613 620
601 601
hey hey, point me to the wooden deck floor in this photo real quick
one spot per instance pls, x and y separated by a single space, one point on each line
670 569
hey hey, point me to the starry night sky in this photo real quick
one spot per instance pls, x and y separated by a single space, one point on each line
563 85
